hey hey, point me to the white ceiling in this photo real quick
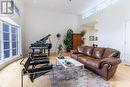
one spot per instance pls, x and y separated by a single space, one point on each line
74 7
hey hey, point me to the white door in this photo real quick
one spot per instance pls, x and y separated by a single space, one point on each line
127 42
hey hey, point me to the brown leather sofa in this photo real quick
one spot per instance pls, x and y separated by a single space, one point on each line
103 61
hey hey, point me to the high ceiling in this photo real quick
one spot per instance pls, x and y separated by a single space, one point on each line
74 7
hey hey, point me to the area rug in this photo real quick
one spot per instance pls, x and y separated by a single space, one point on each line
74 78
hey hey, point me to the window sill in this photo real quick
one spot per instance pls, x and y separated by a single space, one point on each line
6 62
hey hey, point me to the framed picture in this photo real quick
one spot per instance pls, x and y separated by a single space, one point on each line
93 38
96 38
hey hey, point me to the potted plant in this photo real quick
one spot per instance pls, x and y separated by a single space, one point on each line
60 48
68 40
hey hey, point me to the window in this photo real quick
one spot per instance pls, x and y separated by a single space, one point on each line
14 40
9 40
6 40
99 7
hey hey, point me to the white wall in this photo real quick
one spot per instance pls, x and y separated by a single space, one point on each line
39 23
89 32
90 28
19 19
111 25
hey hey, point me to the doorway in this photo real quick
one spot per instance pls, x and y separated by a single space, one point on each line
127 42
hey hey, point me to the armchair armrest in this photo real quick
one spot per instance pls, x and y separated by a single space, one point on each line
110 61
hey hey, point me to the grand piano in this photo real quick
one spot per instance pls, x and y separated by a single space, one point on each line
38 55
42 45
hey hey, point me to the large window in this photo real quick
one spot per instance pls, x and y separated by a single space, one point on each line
104 4
9 40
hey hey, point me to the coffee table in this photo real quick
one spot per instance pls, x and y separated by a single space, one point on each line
75 64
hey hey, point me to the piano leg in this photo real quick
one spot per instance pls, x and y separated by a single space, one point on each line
44 51
48 52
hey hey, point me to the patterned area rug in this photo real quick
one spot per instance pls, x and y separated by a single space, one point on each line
75 78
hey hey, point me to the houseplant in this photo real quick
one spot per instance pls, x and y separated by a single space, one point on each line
60 48
68 40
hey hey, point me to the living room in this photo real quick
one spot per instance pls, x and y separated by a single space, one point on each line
96 31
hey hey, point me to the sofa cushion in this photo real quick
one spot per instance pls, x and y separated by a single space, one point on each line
82 59
88 50
98 52
109 52
93 62
90 61
80 49
75 56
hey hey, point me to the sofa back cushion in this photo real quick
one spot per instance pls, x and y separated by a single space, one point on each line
98 52
80 50
88 50
109 52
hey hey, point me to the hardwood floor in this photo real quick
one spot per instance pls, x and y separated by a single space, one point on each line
10 77
122 77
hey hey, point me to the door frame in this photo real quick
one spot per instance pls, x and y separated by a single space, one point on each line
125 36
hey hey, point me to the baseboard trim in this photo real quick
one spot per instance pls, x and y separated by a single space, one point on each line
6 63
127 65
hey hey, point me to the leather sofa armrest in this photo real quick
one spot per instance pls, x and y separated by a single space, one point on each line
110 61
